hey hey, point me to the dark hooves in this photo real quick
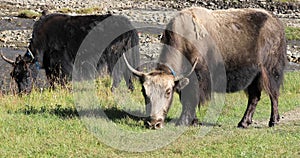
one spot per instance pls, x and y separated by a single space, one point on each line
243 125
195 122
272 123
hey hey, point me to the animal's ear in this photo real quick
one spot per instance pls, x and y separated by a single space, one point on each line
28 56
179 85
18 58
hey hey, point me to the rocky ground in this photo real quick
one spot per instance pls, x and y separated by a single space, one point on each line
291 117
15 31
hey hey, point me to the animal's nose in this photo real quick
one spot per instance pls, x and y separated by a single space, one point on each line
155 124
158 125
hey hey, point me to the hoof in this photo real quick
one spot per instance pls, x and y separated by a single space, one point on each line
195 122
112 89
272 123
243 125
131 88
182 123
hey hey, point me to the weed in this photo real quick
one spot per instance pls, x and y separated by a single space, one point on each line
28 14
46 123
292 33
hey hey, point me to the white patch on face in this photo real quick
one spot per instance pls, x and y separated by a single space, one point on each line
159 90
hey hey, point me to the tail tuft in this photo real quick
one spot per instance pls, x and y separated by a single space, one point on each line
265 82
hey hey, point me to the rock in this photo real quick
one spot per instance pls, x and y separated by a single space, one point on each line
3 40
152 12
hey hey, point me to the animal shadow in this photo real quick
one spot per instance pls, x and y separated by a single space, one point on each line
114 114
58 110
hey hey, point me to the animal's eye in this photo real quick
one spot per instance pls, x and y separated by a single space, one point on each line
168 93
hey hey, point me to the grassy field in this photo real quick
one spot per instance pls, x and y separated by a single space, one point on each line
292 33
47 125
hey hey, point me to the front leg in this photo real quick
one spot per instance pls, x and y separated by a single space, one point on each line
188 117
189 103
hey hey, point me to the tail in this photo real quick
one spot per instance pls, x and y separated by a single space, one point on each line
265 82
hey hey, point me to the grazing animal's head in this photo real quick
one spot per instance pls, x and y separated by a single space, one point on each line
158 87
24 71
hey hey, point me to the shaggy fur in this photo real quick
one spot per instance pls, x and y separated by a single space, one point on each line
248 45
56 39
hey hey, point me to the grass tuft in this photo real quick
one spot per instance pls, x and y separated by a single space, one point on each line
292 33
28 14
46 123
90 10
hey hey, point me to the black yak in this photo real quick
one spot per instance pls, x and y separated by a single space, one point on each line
56 38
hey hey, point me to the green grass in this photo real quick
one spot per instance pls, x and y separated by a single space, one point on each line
286 1
28 14
33 14
90 10
46 125
292 33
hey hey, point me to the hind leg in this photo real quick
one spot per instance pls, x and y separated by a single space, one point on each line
274 94
275 80
274 119
254 93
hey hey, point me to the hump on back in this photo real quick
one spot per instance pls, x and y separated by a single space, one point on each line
242 49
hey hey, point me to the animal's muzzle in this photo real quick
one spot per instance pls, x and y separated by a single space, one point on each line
155 124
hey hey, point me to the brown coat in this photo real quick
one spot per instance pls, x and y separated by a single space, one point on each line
235 49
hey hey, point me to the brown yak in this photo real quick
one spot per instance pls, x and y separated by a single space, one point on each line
243 49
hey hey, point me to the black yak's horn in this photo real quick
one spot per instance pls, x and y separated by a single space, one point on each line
6 59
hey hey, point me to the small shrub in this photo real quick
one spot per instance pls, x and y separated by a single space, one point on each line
80 11
65 10
286 1
28 14
292 33
88 10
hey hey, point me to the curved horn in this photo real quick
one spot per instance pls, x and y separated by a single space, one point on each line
134 71
177 78
6 59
